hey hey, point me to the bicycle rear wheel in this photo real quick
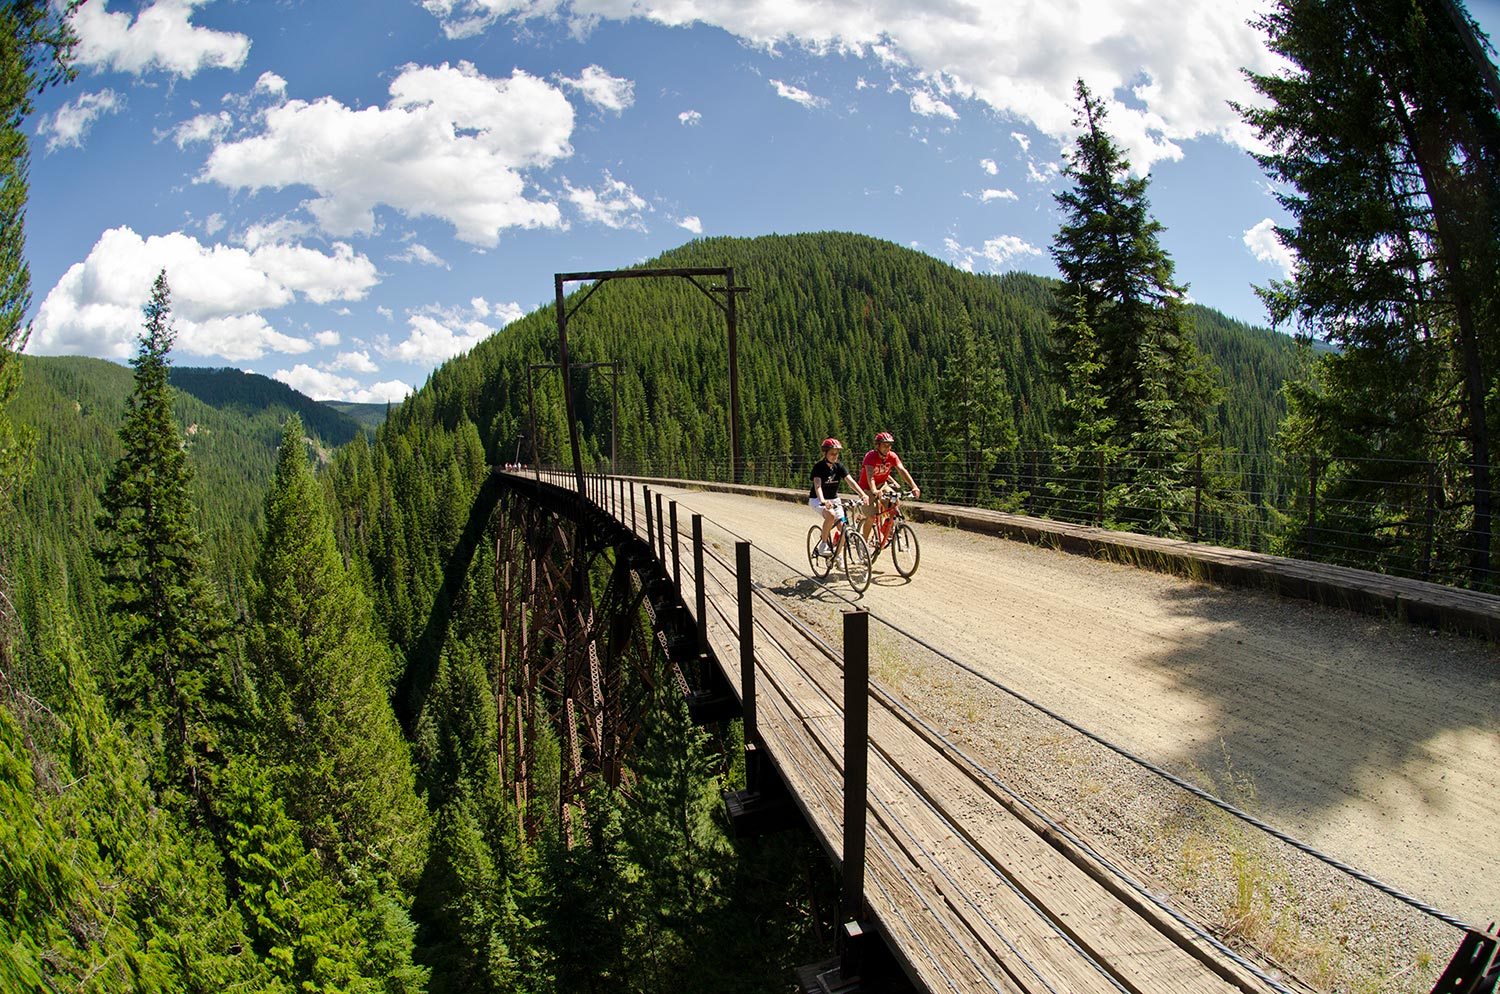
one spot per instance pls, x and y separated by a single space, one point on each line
857 561
820 565
905 552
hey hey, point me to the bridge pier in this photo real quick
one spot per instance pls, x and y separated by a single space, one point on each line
551 542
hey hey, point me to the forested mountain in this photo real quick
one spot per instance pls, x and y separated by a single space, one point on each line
369 415
841 334
232 424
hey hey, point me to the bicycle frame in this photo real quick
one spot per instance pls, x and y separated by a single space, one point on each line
886 521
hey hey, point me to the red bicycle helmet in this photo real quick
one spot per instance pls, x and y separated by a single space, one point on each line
832 443
885 436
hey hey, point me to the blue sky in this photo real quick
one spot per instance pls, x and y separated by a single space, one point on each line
345 193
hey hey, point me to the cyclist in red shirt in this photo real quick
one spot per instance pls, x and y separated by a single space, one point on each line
875 473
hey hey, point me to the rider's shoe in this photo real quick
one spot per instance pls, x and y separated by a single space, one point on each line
824 549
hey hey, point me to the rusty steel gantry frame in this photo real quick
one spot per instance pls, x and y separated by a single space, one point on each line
729 290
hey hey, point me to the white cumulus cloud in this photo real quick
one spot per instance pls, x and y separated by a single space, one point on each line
417 252
989 195
613 204
993 254
431 340
68 127
989 166
159 37
355 362
691 223
602 90
451 143
1262 242
690 118
270 82
927 105
327 339
797 95
203 128
320 384
1168 67
218 294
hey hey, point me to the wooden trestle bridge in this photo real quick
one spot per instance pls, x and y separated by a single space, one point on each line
964 885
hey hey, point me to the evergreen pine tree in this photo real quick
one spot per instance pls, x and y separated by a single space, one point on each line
1086 444
322 676
977 421
170 684
1388 139
1158 496
299 927
1118 282
35 39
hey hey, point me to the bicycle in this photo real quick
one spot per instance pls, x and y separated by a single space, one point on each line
892 531
848 544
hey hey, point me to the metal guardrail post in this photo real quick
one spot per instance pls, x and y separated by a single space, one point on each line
856 776
1197 494
676 555
1099 509
1312 500
632 506
747 641
650 534
700 596
661 533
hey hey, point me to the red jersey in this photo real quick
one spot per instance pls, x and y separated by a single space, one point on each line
879 467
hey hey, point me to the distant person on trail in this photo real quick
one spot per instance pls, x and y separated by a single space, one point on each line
875 474
827 473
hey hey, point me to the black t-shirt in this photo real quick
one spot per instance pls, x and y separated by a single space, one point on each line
830 477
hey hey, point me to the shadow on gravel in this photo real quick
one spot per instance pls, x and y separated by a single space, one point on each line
1317 705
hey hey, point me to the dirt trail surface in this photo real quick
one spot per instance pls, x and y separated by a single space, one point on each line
1373 741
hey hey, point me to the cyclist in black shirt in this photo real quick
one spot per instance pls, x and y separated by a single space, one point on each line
827 474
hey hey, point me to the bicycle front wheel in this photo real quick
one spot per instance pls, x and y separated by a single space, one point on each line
905 552
857 561
820 565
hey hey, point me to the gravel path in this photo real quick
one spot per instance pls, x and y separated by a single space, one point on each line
1373 741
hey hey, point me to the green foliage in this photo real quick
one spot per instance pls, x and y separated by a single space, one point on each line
676 857
74 407
322 674
841 334
260 398
35 39
1119 283
308 937
976 422
1133 379
170 682
116 892
1387 140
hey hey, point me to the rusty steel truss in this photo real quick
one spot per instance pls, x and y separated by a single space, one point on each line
582 652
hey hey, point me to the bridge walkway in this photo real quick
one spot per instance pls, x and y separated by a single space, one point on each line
971 888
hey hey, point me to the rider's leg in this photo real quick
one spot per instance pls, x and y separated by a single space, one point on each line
829 520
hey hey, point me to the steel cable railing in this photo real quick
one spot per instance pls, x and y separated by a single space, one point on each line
1170 777
892 701
1402 517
